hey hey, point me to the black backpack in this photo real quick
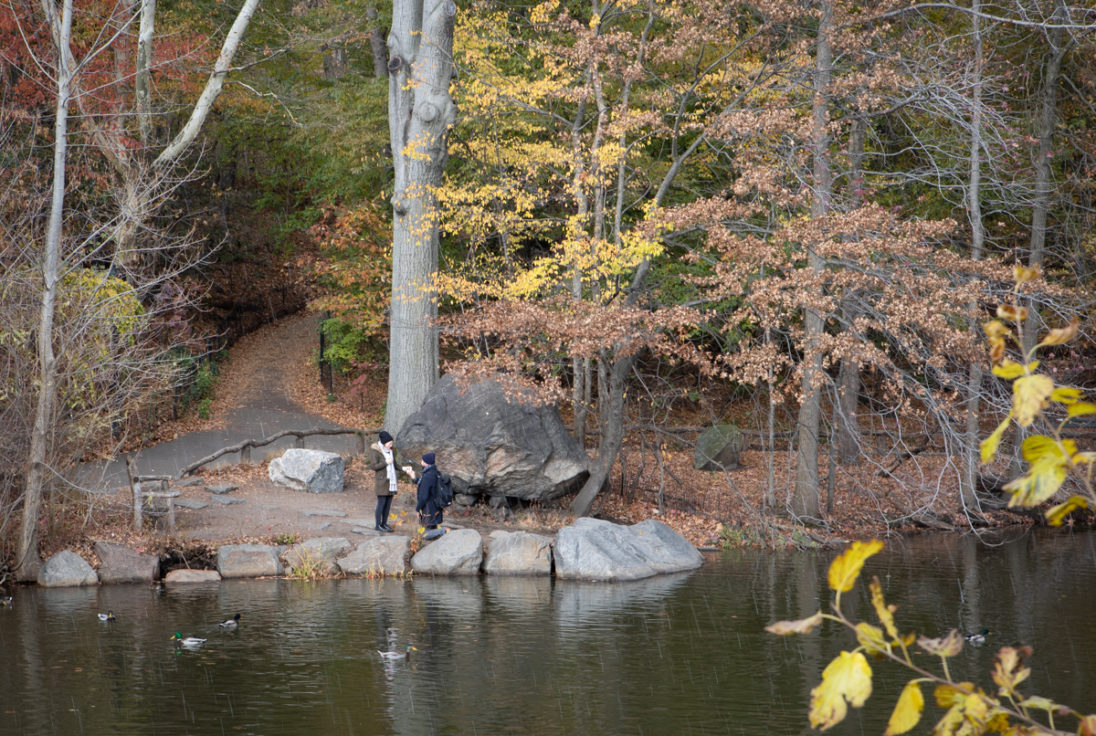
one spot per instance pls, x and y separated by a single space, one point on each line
443 496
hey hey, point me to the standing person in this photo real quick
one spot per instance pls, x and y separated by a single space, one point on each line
384 462
430 515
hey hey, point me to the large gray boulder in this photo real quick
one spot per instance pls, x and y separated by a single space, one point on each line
518 553
592 549
248 561
718 448
316 554
492 446
120 564
457 552
379 556
66 569
315 471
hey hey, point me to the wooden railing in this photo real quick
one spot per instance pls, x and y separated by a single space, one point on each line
245 447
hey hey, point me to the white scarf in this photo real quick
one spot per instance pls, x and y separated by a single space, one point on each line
391 469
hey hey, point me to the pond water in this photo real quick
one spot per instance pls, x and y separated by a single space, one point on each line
683 654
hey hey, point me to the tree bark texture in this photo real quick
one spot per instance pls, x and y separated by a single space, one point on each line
28 560
612 408
805 498
420 113
376 44
143 81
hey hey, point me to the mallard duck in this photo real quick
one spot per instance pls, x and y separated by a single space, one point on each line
5 601
230 623
979 638
398 654
190 642
108 616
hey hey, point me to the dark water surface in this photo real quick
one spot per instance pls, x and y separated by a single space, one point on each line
684 654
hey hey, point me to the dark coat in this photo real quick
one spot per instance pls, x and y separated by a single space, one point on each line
429 513
375 461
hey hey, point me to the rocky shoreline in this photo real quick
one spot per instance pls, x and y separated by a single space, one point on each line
589 549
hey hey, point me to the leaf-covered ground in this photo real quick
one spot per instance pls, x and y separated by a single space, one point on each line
880 495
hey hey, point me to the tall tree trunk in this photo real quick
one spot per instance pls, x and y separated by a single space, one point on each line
420 112
143 80
968 481
848 375
376 44
805 499
580 389
28 560
1044 132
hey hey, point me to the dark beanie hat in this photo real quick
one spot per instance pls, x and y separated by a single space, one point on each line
385 437
428 458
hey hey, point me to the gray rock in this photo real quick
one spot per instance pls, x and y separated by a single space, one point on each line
367 531
223 488
591 549
314 471
718 448
248 561
459 552
176 577
321 551
491 446
518 553
226 500
188 482
324 512
191 503
66 569
380 556
120 564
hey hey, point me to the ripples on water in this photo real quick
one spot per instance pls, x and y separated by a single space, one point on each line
681 654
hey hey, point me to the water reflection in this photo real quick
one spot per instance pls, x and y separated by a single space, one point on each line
681 654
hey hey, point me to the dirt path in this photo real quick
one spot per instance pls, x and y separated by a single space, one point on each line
269 380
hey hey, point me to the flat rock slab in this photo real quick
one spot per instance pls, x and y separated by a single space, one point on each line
592 549
314 471
321 552
120 564
226 500
223 488
180 577
191 503
518 553
248 561
188 482
458 552
380 556
324 512
66 569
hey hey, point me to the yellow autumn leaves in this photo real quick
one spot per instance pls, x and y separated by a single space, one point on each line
847 679
1050 458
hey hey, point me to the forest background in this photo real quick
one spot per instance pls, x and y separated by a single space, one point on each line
792 217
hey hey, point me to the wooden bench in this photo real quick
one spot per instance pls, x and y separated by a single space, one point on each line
152 497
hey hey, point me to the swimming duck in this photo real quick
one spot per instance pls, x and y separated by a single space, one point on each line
979 638
190 642
5 601
108 616
406 653
230 623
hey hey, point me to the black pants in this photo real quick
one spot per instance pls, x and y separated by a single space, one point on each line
384 505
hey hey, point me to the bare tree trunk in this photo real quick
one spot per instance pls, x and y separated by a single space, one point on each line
420 112
334 61
848 375
376 44
805 499
212 89
968 481
612 409
1044 132
27 559
580 390
143 80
